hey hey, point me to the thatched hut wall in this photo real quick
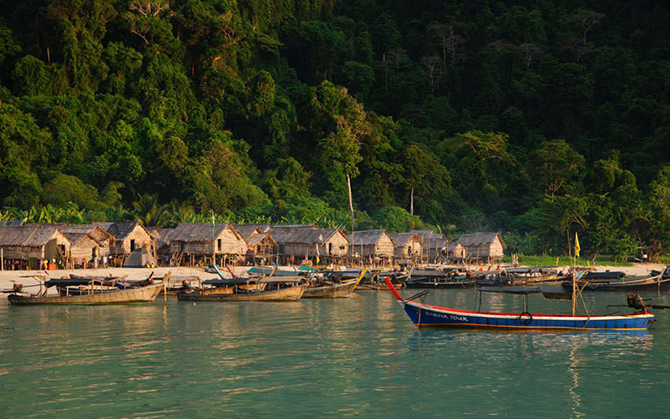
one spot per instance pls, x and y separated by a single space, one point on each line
455 251
83 247
127 237
103 240
262 245
201 239
407 245
483 246
33 242
305 242
375 243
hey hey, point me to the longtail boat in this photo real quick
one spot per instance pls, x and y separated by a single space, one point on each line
329 289
273 271
278 289
423 314
656 281
96 296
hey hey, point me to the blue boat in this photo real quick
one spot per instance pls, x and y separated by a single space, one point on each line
423 314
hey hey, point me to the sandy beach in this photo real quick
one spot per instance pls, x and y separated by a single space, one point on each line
28 278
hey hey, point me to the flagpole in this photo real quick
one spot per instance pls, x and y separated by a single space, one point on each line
213 240
574 274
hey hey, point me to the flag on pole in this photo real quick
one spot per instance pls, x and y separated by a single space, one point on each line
213 222
317 254
577 247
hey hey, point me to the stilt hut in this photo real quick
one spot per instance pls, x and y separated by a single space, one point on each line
128 236
84 251
375 244
262 248
434 244
98 244
455 252
33 246
161 237
327 245
483 247
407 245
247 231
204 243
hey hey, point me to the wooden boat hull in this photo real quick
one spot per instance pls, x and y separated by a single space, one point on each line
136 295
647 284
330 291
217 290
284 294
430 284
427 315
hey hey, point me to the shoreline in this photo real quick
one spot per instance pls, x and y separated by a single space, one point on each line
8 278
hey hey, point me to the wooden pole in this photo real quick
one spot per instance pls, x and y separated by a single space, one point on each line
411 203
2 259
351 206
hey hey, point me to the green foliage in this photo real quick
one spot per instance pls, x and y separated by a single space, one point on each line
395 219
537 119
554 164
63 189
150 212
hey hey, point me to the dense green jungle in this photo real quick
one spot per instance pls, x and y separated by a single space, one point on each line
534 118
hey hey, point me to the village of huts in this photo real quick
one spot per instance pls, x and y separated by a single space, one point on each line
130 244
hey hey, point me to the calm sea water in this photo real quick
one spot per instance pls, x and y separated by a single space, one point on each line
313 358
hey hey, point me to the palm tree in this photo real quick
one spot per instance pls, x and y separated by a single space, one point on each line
149 212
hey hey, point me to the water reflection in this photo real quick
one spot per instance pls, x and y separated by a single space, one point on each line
359 356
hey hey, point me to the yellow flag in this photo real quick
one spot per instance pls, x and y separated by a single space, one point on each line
577 248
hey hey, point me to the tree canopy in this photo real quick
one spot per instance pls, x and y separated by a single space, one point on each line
531 118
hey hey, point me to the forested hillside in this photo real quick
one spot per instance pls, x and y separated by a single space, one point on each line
530 117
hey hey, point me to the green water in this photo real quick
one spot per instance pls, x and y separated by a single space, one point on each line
314 358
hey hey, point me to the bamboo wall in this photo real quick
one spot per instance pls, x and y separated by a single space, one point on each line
335 246
492 250
85 248
123 246
383 248
226 243
412 248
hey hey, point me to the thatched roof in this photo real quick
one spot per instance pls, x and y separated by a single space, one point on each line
120 230
27 235
454 246
424 233
75 238
368 237
258 238
247 230
162 233
161 236
306 236
294 226
478 239
199 232
263 227
95 232
280 231
401 239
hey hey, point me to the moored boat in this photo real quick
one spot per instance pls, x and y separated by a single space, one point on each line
423 314
328 289
144 294
277 289
656 281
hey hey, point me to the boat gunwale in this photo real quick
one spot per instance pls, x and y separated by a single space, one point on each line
447 310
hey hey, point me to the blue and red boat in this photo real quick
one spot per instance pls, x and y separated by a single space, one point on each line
423 314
